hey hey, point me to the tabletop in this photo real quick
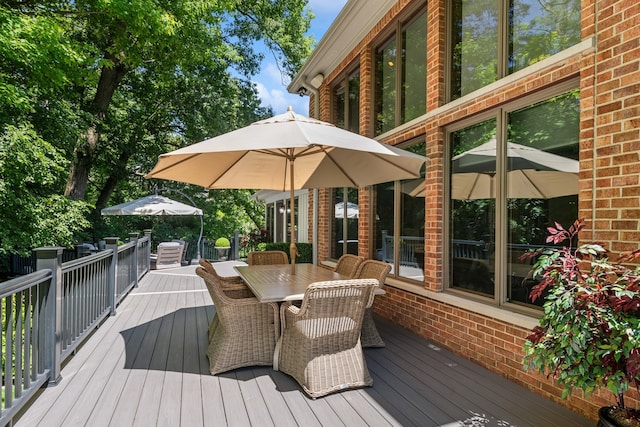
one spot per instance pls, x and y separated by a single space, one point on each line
273 283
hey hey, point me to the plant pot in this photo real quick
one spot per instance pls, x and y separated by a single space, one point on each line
223 252
608 417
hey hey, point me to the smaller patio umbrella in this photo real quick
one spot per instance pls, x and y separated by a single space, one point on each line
154 205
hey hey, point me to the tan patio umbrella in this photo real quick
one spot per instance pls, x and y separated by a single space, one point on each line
288 152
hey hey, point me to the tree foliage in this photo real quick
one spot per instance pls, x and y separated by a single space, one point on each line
31 213
101 88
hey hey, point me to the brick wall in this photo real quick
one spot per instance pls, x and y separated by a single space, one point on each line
609 182
610 153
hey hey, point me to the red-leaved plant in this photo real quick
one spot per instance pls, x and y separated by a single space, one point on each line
589 333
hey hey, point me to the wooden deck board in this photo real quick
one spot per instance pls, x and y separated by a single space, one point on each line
147 366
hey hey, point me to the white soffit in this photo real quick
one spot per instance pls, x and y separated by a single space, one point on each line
352 24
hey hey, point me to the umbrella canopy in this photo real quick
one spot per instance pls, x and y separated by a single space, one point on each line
152 205
532 173
156 205
288 152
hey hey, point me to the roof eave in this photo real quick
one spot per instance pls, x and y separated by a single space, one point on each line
352 24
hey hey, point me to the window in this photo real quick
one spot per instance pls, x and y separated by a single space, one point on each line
530 174
346 102
344 238
535 29
399 223
401 79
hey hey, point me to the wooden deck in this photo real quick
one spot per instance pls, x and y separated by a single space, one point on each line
147 366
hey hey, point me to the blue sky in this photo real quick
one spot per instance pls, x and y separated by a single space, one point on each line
271 87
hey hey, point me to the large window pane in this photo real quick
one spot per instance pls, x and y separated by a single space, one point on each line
344 238
540 28
400 206
354 102
475 45
339 105
346 103
410 254
401 76
534 30
543 187
414 81
473 214
386 70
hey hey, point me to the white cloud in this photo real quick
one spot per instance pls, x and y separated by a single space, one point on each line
280 100
272 90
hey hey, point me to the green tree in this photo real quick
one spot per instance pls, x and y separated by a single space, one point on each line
108 86
31 213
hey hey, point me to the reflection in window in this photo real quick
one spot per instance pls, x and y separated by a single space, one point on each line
400 85
400 206
473 208
541 28
386 71
475 45
543 187
540 169
344 238
535 29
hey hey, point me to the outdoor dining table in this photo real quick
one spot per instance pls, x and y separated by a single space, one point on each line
275 283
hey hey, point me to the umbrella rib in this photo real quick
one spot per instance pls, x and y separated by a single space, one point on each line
155 172
535 187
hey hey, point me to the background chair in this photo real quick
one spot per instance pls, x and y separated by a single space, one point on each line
168 255
185 247
245 333
379 270
348 264
267 257
320 343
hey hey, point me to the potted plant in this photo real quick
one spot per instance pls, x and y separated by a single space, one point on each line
222 245
589 333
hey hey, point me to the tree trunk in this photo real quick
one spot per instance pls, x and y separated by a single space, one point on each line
87 144
117 175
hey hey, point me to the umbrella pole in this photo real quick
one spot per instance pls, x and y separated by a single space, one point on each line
293 251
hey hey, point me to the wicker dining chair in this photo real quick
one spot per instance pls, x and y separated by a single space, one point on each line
245 333
267 257
320 342
348 264
372 269
233 286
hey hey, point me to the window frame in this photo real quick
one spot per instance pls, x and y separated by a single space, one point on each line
395 35
397 218
503 49
342 83
499 114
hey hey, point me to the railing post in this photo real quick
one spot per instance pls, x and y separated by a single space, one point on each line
112 243
236 244
51 258
133 237
147 256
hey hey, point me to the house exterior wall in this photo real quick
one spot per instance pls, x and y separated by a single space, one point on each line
606 68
